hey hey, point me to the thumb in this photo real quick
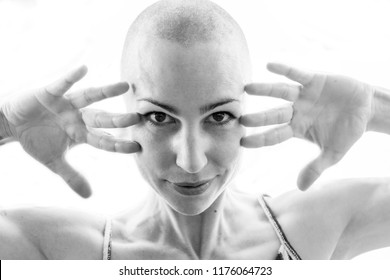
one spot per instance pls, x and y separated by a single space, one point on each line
312 171
71 176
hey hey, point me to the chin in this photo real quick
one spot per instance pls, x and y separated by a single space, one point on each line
193 209
192 206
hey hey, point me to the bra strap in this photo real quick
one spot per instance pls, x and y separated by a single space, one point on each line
278 230
107 240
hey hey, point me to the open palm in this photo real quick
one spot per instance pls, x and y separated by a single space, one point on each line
331 111
47 123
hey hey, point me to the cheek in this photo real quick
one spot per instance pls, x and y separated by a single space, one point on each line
225 148
155 153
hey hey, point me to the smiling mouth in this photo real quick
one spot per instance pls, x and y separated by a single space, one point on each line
188 189
191 185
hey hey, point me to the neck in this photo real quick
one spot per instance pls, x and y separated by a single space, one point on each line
196 235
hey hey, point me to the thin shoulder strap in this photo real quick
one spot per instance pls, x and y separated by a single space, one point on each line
107 240
278 230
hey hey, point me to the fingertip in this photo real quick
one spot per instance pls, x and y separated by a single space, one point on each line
83 189
123 86
249 88
80 185
302 184
85 193
83 70
277 68
244 121
244 142
306 178
134 118
126 120
127 147
271 65
78 73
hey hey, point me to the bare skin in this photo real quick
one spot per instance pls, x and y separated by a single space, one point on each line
347 218
71 235
188 130
47 123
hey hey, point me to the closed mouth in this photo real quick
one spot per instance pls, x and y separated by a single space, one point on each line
191 185
191 188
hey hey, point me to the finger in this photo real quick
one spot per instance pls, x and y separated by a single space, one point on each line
269 117
101 119
292 73
270 137
58 88
71 176
76 132
50 96
107 142
280 90
311 172
83 98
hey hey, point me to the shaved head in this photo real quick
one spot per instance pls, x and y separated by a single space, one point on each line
187 63
185 23
188 22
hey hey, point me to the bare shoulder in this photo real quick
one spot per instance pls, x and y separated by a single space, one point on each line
51 233
315 221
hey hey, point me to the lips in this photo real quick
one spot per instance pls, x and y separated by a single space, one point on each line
191 185
191 188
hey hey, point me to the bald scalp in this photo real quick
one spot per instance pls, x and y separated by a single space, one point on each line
185 22
190 22
182 22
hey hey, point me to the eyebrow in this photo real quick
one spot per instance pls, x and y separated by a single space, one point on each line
204 109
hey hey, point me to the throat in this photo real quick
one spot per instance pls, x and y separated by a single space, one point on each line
196 235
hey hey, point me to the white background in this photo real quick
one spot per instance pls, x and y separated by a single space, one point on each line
42 39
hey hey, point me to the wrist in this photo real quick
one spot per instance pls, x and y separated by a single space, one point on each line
5 130
380 111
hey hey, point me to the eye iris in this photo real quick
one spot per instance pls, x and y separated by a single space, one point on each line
218 117
160 117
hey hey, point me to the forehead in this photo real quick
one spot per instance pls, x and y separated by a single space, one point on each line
202 72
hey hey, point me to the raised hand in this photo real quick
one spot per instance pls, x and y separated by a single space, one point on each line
47 122
330 110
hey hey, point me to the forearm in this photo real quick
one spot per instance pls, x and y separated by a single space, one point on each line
380 121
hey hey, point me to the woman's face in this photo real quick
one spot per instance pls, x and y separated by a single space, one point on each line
190 100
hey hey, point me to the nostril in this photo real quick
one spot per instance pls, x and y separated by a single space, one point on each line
191 164
190 150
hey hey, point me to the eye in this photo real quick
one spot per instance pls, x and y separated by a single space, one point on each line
158 118
221 118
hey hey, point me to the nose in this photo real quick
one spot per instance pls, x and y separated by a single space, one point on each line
191 149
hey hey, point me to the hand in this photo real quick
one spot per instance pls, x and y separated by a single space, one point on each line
47 123
330 110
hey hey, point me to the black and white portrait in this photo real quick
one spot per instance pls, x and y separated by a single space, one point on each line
194 130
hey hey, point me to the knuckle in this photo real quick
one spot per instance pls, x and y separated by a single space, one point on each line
103 93
262 140
101 143
75 134
47 91
68 82
51 165
280 116
271 89
285 91
87 97
97 121
114 122
267 118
